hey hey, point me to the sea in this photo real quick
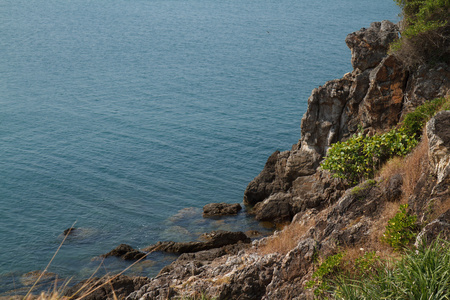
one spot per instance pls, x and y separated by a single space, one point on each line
123 118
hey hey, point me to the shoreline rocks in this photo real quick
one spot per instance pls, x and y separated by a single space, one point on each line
215 239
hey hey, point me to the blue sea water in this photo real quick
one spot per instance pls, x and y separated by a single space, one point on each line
127 116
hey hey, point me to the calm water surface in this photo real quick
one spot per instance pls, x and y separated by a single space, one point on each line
128 116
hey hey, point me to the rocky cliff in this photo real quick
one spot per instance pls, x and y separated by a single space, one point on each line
327 214
373 97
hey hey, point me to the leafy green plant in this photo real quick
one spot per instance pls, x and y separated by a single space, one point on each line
414 121
360 156
325 269
400 229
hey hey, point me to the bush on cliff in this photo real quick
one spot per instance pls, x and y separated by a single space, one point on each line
361 155
425 32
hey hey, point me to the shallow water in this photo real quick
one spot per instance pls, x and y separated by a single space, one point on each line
120 114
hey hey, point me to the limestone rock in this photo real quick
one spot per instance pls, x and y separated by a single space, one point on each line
438 132
438 228
220 209
370 45
381 107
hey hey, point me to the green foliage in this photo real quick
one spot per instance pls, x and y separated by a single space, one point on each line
400 230
414 121
425 34
420 274
325 269
359 156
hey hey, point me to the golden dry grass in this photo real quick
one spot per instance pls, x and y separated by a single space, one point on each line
411 168
285 240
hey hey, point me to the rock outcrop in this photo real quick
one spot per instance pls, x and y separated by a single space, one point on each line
215 239
372 98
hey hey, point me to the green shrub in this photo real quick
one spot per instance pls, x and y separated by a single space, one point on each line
400 230
319 282
414 121
360 156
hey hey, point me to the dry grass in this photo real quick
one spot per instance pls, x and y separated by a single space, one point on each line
378 228
411 168
415 165
285 240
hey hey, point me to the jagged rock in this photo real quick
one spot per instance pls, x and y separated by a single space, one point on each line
220 209
321 122
438 132
270 180
277 208
381 107
235 276
106 288
307 192
369 98
125 252
438 228
216 239
425 84
288 276
369 46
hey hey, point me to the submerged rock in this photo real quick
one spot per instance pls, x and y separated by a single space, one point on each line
220 209
70 231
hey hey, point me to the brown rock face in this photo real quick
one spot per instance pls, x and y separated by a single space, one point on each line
369 46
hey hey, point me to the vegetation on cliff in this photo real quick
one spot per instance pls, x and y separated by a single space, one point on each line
420 273
359 157
425 32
